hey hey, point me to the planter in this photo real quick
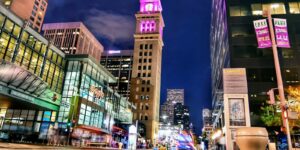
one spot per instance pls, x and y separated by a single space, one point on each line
252 138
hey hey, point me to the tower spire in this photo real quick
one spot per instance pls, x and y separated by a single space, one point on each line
148 6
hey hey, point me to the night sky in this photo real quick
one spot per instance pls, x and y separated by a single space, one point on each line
186 54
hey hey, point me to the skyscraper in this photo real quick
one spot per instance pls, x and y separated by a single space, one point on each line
174 96
234 45
147 64
119 63
32 11
182 116
73 38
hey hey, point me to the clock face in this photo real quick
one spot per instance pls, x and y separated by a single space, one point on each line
149 7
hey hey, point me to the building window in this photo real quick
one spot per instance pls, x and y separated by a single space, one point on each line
141 53
140 60
35 8
146 46
239 11
145 60
150 46
276 8
145 54
139 74
148 89
150 53
146 117
44 3
294 7
144 74
256 9
141 117
149 74
143 89
143 82
146 107
140 67
149 67
33 13
141 46
148 81
144 67
150 60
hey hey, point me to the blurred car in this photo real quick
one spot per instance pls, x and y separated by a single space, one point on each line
185 142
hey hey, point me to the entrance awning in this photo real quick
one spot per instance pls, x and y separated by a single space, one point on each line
21 78
93 129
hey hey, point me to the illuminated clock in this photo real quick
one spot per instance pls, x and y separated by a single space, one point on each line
149 7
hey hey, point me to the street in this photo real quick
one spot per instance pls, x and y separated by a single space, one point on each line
30 146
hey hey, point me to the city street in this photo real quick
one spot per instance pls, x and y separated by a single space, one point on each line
4 146
150 74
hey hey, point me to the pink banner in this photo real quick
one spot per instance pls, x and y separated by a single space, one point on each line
262 33
281 31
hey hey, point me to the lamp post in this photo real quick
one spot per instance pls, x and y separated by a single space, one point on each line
279 78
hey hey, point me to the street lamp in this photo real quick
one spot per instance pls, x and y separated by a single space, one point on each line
278 75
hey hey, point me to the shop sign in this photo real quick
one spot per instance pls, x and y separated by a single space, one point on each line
97 92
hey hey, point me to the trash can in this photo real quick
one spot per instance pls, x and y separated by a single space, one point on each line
252 138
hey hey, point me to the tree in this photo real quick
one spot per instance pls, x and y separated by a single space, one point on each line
270 117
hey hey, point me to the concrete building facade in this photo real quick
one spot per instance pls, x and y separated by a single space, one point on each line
73 38
147 64
32 11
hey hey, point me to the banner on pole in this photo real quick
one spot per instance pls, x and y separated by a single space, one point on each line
262 33
281 31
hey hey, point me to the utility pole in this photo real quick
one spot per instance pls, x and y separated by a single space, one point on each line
279 80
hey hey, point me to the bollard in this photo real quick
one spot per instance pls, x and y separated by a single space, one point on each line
252 138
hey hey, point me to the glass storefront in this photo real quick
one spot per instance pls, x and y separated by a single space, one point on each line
98 104
27 122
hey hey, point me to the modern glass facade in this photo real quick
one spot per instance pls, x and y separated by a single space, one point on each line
31 79
233 44
97 104
26 48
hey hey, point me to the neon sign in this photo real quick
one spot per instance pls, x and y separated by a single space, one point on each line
97 92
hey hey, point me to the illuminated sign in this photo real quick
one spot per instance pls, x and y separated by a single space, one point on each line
97 92
114 52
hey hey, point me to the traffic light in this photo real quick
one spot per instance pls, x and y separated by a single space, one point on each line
271 97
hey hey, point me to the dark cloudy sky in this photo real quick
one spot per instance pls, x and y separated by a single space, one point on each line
186 54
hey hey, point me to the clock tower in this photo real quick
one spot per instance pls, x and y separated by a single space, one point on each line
146 74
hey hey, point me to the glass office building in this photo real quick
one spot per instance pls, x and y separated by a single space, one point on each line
119 63
31 78
234 45
87 99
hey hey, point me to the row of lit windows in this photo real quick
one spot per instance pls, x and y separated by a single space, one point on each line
142 97
257 9
31 54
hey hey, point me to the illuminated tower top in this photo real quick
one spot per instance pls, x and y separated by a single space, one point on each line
148 6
